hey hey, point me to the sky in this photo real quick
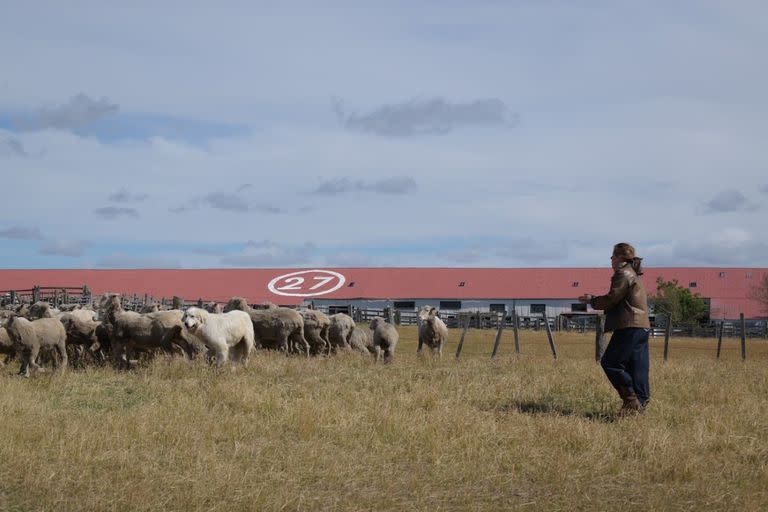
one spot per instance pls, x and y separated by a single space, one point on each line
354 134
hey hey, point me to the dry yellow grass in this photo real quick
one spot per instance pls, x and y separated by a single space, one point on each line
519 432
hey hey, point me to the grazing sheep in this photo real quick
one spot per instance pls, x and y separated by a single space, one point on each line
340 331
6 346
22 309
42 310
132 331
385 338
316 324
82 314
149 308
432 330
276 329
29 337
81 334
361 341
221 333
103 340
214 307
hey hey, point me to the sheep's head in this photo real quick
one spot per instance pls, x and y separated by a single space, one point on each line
110 301
150 308
40 310
236 303
193 318
213 307
375 322
428 313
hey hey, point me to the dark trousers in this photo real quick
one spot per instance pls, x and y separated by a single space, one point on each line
626 361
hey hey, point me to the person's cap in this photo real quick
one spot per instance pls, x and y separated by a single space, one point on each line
624 251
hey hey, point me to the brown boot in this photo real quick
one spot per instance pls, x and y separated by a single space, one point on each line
632 404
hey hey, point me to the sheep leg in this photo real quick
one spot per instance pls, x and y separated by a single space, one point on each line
222 354
243 351
24 368
32 365
236 352
118 354
301 343
421 345
129 352
284 346
61 348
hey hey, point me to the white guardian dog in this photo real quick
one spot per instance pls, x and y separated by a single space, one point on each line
221 332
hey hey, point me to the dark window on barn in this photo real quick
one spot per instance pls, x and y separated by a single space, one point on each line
461 284
692 284
351 284
575 284
405 304
332 310
721 274
538 308
450 304
579 307
749 275
498 308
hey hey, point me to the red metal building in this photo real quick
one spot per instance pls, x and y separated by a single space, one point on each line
727 289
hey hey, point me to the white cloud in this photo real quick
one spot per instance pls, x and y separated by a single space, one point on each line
21 233
66 248
428 116
269 254
79 112
729 201
730 246
122 260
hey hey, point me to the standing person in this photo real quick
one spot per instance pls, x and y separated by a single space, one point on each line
626 360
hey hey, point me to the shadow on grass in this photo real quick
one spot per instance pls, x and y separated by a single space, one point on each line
533 407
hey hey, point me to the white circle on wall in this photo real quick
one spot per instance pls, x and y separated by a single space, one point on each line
306 283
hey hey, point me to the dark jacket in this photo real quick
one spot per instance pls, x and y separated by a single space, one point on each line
626 304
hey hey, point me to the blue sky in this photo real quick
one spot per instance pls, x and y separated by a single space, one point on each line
519 133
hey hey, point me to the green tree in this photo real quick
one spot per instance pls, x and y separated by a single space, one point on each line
676 302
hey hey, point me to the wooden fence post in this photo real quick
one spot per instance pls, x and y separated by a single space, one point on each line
498 335
468 318
719 330
667 333
550 338
515 327
599 337
743 337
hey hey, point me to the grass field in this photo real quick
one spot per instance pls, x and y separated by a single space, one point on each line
519 432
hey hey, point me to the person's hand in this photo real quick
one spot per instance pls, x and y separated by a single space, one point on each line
586 298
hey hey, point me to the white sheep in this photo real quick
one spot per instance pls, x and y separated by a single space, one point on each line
385 338
432 330
29 337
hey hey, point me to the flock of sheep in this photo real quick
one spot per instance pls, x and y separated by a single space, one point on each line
39 334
